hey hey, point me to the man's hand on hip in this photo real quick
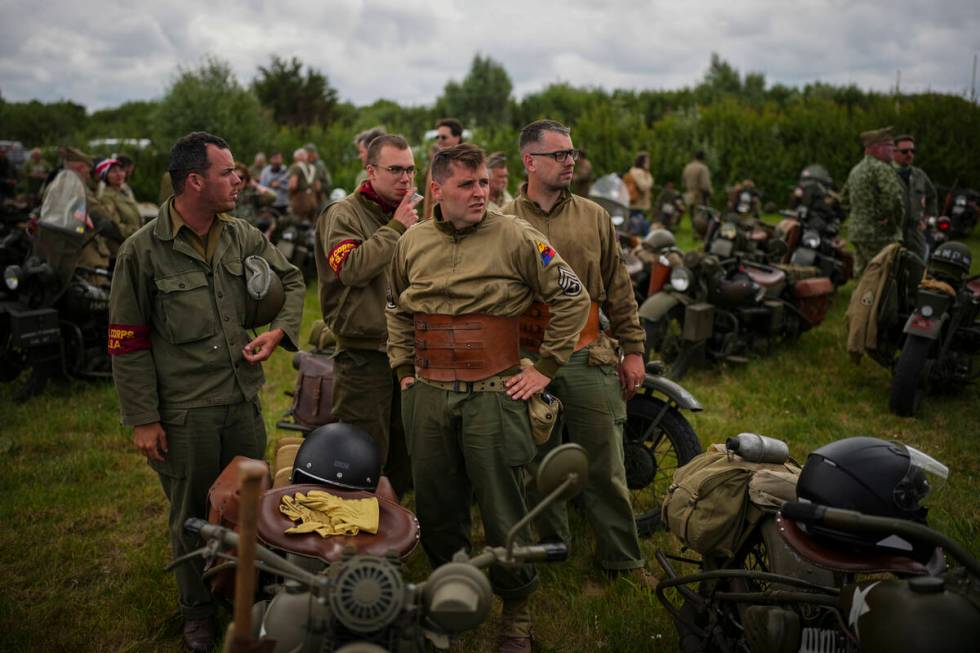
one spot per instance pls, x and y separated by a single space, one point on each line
262 347
151 440
525 385
406 382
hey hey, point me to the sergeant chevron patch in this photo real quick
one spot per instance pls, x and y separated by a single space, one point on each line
568 282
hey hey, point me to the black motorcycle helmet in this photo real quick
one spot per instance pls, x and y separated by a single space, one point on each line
875 477
816 172
338 455
951 260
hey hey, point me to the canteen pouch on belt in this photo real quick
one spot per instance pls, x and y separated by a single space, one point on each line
313 396
709 506
543 409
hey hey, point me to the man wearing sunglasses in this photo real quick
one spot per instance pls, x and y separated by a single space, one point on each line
920 194
449 133
355 239
594 384
874 199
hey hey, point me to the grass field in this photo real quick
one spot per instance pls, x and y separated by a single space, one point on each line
83 519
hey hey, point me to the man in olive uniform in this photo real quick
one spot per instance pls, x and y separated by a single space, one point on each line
458 284
919 194
355 239
322 174
593 383
697 186
874 199
449 133
186 371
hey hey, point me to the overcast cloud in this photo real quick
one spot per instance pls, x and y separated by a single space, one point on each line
101 54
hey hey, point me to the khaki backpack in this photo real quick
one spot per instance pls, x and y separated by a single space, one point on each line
709 506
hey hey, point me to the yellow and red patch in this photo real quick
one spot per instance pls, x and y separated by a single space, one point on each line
546 252
128 338
338 255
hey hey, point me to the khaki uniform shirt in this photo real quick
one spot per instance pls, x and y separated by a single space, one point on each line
498 266
697 183
175 332
355 241
584 235
644 182
123 210
504 199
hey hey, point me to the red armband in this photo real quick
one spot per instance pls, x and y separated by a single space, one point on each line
340 252
127 338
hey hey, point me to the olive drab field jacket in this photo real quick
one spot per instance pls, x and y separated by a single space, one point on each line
175 332
355 241
584 235
496 267
863 308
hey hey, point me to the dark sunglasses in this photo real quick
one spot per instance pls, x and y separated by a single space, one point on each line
907 150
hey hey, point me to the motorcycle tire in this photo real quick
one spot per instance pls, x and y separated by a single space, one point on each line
652 457
910 380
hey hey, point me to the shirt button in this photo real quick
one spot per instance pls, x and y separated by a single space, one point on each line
220 294
180 285
227 318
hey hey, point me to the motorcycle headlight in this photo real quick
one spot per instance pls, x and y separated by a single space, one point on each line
680 279
11 277
811 239
728 231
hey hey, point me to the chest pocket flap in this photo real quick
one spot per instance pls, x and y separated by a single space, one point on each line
185 312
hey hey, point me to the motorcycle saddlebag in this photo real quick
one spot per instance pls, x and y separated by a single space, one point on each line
314 390
813 298
709 507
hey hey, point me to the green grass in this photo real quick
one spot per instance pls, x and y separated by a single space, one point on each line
83 519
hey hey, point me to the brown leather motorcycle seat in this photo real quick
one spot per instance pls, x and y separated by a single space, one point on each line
398 529
845 561
765 277
815 287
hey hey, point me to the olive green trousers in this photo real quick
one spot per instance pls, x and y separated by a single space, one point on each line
365 394
464 445
201 442
593 416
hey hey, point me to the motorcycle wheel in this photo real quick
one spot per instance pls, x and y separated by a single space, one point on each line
653 454
910 381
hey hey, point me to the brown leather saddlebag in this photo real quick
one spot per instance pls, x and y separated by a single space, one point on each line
813 298
314 390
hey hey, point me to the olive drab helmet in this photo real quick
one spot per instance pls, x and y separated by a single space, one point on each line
338 455
816 172
951 260
265 296
875 477
659 239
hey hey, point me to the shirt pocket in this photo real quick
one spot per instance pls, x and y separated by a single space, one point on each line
234 288
185 313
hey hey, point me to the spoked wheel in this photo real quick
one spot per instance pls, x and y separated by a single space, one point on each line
910 381
657 441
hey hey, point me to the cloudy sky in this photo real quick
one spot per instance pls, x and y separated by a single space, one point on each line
102 53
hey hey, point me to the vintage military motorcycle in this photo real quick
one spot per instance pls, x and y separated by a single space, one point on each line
942 334
711 309
962 209
54 313
741 234
358 601
851 566
296 239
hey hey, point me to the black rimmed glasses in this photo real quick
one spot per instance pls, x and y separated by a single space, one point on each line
907 150
559 155
398 171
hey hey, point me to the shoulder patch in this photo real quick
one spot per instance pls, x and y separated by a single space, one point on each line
568 282
338 255
545 251
128 338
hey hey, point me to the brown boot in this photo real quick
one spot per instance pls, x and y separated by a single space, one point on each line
515 627
199 635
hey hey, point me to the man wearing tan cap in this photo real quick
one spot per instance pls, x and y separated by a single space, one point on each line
874 199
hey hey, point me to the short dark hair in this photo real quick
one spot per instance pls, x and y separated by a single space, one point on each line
640 158
391 140
497 160
905 137
532 133
190 154
455 126
369 135
465 154
124 160
699 155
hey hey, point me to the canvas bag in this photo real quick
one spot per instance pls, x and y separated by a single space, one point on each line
708 505
313 396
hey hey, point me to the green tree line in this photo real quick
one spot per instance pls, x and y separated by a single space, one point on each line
748 128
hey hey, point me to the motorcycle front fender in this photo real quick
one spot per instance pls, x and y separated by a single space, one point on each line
658 305
674 391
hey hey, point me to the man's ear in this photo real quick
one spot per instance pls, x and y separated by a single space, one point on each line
195 181
436 188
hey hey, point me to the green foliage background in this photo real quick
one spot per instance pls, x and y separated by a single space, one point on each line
747 127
